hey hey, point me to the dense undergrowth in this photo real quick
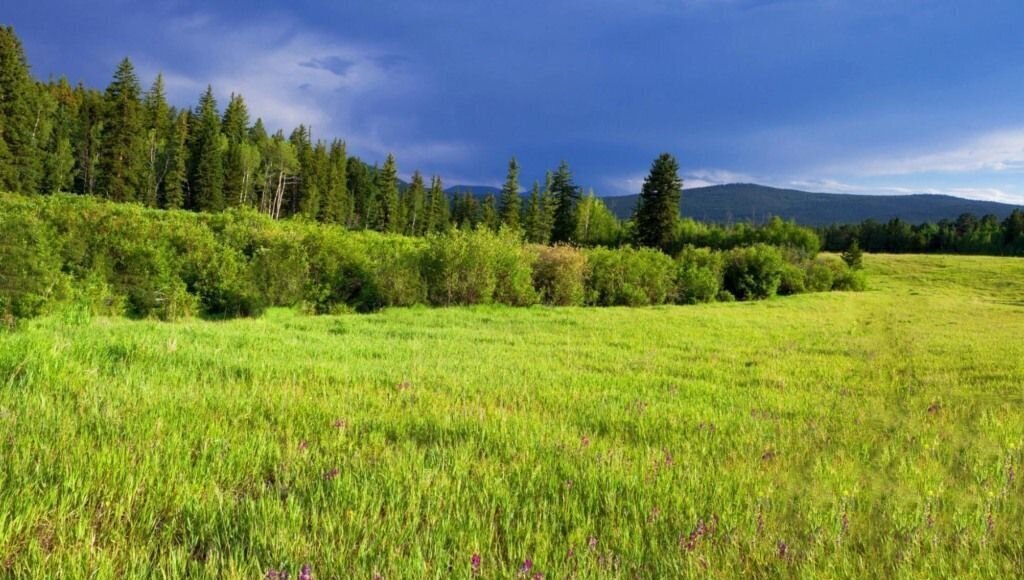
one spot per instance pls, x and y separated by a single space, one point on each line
123 259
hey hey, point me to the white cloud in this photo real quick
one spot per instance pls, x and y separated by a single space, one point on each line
997 151
290 76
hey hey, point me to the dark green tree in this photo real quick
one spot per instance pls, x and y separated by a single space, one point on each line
389 210
157 123
361 187
121 170
175 180
206 161
439 208
239 165
489 213
854 256
511 202
566 195
415 201
21 167
657 211
336 207
59 163
532 219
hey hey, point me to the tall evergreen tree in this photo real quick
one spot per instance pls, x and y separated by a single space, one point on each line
489 217
21 157
415 200
337 204
157 128
363 191
532 220
306 197
59 162
86 140
122 142
389 211
206 162
238 159
439 209
657 211
175 180
511 202
566 195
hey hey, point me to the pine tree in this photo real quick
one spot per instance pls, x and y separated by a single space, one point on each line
363 191
157 127
20 141
511 203
175 180
86 140
59 162
206 164
439 209
389 212
238 159
657 211
566 195
532 221
415 200
337 204
306 197
853 256
489 217
122 143
548 207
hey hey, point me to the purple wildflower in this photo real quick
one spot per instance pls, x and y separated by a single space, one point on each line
474 564
306 573
331 474
592 542
585 441
526 567
303 445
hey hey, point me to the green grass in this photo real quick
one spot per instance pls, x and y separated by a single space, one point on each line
877 433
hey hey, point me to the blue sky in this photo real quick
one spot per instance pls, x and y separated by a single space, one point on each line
860 96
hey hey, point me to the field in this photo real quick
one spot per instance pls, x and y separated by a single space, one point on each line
837 434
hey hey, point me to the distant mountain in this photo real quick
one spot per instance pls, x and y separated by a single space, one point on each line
478 190
746 202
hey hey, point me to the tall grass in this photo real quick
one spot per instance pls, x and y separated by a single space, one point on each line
869 434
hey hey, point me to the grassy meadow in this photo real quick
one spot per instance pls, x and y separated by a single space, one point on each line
822 435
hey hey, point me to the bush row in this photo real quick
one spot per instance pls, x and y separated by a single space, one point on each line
122 259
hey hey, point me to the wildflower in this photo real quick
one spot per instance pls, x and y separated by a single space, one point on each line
592 543
306 573
340 424
526 567
331 474
783 549
303 445
474 564
568 484
273 574
585 441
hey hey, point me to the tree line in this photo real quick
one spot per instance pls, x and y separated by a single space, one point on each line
127 144
968 234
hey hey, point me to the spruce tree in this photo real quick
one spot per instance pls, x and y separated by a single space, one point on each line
157 127
657 211
489 217
439 208
337 207
566 195
363 191
206 164
389 212
175 180
415 198
532 221
511 203
238 165
21 157
59 163
86 140
121 168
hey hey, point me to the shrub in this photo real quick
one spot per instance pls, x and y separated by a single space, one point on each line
559 275
339 273
793 279
754 272
819 276
630 277
515 263
477 267
699 275
395 263
30 271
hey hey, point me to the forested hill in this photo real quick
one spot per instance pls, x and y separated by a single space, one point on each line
744 202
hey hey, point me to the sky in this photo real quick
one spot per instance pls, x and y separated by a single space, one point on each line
850 96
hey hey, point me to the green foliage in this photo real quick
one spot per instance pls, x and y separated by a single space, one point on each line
560 275
630 277
511 203
854 256
206 173
562 200
121 171
754 272
657 210
699 277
